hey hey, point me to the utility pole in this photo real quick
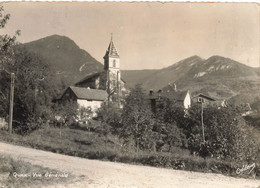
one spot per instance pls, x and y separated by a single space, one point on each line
202 123
10 123
117 88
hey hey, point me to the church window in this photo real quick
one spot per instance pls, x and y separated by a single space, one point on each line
114 83
114 63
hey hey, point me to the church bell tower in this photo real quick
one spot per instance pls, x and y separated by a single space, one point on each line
112 69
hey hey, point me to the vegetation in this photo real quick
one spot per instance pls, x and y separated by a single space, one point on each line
92 145
35 83
17 173
170 137
229 139
34 89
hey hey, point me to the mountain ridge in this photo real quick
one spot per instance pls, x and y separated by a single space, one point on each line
63 55
216 76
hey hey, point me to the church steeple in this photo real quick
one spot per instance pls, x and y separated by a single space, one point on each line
111 58
112 69
111 50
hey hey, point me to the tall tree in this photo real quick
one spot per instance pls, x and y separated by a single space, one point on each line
34 89
6 42
136 118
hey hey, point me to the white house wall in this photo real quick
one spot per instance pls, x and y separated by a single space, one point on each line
94 105
187 101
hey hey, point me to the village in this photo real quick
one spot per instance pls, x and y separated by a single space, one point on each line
67 119
108 86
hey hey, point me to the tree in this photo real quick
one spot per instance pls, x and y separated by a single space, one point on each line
34 83
6 55
226 133
35 86
110 115
172 122
6 42
66 113
137 119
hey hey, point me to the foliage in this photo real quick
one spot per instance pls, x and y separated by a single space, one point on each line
66 113
110 115
137 119
34 89
6 42
34 84
79 143
168 136
226 133
256 104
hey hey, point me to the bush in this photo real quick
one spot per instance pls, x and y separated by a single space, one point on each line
110 114
227 136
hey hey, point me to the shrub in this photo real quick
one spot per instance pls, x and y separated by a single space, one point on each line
110 114
227 136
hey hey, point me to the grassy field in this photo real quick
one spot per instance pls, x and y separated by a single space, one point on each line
17 173
93 145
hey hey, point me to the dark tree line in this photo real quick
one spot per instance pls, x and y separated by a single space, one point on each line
35 83
227 134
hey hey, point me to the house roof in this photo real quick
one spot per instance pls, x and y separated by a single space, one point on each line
175 95
204 96
89 94
89 77
111 50
171 94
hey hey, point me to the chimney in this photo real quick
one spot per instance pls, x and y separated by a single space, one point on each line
151 92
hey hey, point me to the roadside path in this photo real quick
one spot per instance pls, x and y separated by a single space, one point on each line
101 174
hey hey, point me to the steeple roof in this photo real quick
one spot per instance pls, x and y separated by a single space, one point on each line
111 50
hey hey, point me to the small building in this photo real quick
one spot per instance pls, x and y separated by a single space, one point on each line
181 98
85 97
202 98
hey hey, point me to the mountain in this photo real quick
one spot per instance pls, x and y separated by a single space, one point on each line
217 76
222 78
157 79
64 56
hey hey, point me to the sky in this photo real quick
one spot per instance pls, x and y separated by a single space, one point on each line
148 35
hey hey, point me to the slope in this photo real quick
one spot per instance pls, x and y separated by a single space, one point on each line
157 79
65 57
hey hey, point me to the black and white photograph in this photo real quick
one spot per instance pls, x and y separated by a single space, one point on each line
129 95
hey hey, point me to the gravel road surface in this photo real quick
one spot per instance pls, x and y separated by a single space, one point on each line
101 174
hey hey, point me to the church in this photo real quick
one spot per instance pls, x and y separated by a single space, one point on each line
94 89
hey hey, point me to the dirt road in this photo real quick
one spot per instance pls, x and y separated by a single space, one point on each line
94 173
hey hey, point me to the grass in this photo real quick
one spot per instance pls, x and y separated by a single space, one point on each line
17 173
93 145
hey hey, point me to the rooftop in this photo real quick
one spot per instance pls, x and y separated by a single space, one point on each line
89 94
111 50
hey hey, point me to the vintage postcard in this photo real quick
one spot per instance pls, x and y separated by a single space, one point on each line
131 95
